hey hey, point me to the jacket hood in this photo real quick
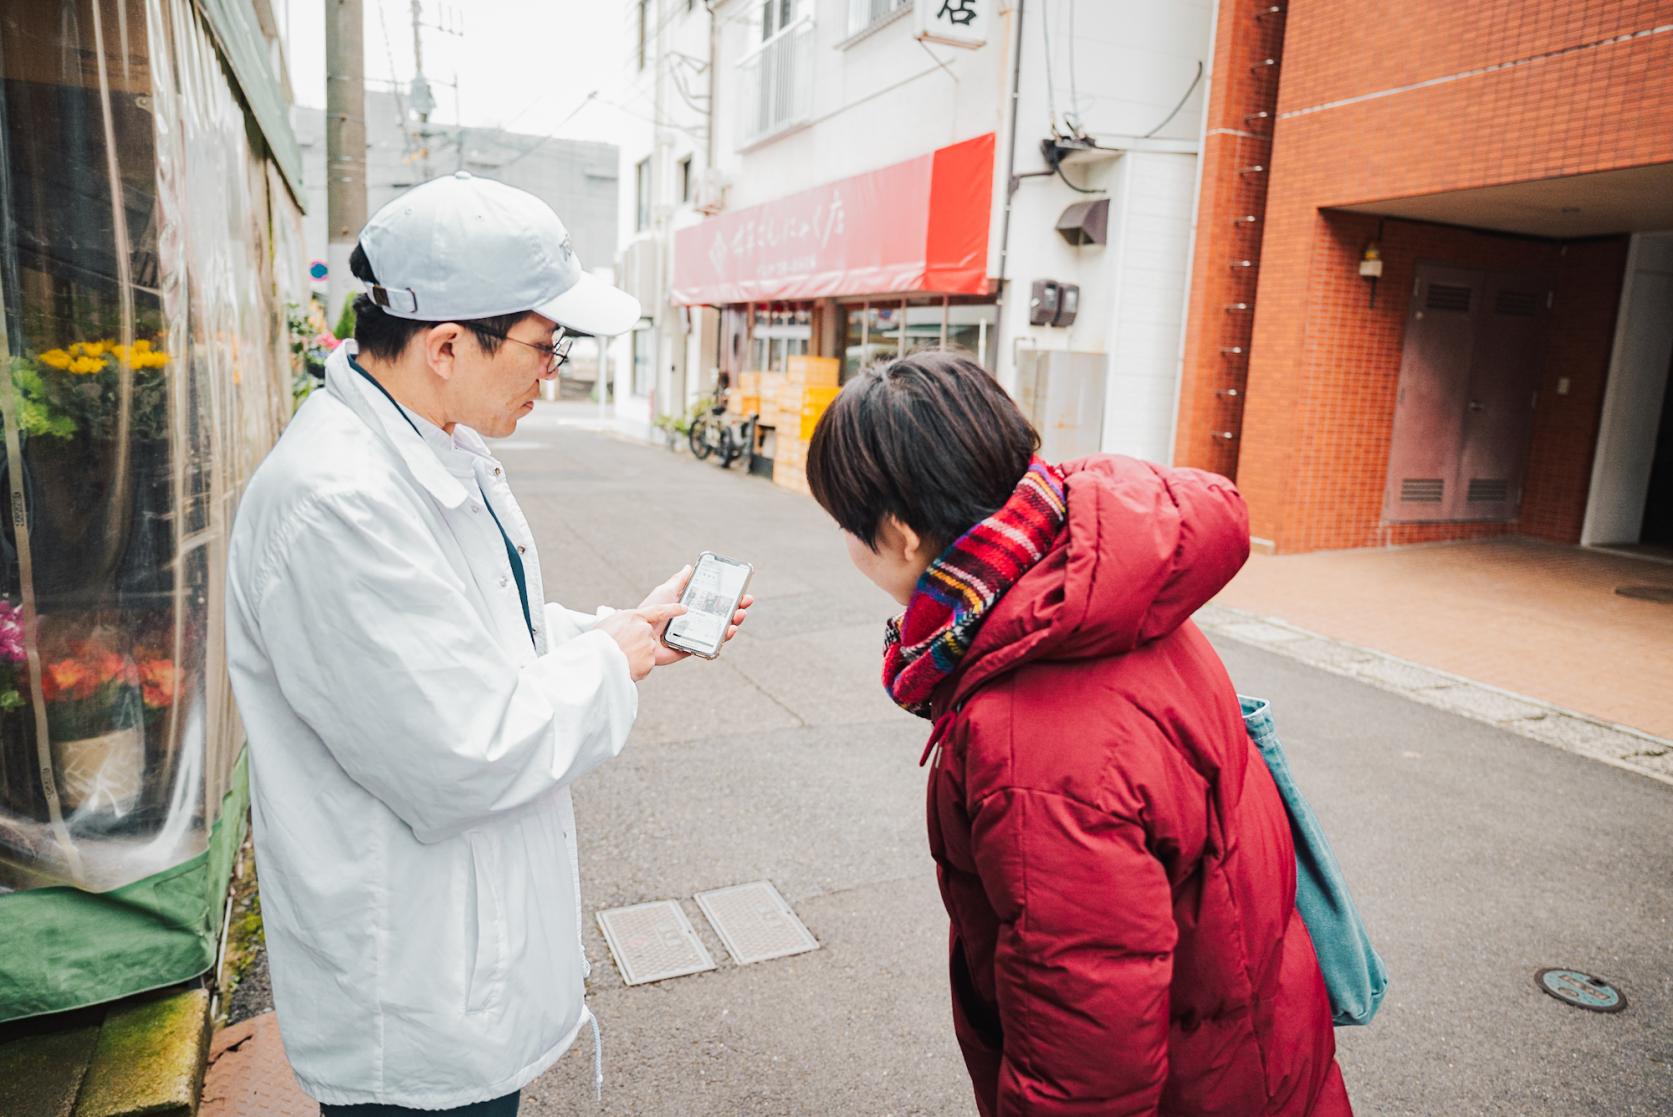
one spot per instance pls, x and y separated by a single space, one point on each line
1144 547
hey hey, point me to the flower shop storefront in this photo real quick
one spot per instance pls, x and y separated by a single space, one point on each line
149 243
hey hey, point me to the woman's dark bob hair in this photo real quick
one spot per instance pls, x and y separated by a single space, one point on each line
930 438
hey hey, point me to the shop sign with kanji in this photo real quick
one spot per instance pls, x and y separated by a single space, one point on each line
955 23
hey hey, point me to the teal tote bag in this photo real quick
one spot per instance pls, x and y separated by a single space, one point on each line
1353 973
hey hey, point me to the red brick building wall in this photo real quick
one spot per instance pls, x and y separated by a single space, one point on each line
1237 138
1381 101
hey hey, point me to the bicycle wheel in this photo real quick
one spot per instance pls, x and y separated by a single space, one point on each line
699 437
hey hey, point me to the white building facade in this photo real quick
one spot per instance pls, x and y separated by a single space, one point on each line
859 178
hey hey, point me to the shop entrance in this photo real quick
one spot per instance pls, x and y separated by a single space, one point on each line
1473 349
1657 529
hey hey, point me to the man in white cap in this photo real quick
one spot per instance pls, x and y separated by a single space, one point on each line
416 709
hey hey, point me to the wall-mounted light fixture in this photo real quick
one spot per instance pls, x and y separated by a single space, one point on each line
1371 262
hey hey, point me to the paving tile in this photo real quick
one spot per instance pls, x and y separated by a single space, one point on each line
249 1077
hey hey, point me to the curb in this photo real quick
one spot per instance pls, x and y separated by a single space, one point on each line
144 1057
1620 746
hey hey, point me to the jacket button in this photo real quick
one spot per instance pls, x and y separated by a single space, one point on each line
522 550
496 471
504 581
475 507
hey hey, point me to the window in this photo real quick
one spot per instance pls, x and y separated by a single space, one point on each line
864 13
781 331
777 76
644 371
644 28
685 179
642 194
882 329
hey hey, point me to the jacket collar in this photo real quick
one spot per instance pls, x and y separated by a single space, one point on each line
381 415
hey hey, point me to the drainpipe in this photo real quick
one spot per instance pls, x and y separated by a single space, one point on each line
1010 183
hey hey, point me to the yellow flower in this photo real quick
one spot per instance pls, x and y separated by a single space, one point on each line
97 348
56 358
142 345
83 365
150 360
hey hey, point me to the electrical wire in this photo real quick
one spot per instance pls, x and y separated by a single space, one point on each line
1072 117
1169 118
1051 94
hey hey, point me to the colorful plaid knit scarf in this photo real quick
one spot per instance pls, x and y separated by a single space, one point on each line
924 645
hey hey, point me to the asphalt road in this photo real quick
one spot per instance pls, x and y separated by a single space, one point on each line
1478 857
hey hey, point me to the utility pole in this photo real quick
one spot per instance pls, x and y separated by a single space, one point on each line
422 100
345 144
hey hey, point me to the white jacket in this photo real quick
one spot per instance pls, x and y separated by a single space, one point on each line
411 749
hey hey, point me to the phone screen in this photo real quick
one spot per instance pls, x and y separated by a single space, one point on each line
711 599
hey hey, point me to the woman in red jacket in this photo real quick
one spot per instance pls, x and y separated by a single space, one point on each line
1111 848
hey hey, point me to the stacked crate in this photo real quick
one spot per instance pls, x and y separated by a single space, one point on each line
808 387
745 396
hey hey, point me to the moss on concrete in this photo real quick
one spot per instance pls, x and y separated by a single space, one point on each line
40 1074
149 1059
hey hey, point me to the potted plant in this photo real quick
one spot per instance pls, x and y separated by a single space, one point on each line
95 707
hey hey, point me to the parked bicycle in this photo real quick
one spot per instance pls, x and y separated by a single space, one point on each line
716 431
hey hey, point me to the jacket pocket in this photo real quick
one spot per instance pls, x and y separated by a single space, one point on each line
486 924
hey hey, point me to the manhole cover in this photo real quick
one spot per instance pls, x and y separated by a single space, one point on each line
755 923
651 942
1581 990
1662 595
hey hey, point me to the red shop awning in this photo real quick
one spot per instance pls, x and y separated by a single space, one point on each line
921 225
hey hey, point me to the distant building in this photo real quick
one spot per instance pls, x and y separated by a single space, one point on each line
577 178
1432 289
856 179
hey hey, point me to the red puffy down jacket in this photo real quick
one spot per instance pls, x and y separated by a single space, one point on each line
1111 848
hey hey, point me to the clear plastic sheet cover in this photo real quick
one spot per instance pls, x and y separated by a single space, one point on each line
146 376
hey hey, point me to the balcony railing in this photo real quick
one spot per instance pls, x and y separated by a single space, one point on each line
777 83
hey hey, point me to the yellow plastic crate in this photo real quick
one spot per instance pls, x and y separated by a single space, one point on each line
814 371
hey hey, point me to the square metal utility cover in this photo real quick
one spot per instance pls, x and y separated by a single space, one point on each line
653 941
755 923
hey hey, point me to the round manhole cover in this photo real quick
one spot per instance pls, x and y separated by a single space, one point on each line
1581 990
1661 594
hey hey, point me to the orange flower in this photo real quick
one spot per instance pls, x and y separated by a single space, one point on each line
157 682
68 678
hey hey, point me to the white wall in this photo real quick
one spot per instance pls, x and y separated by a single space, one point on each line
1632 401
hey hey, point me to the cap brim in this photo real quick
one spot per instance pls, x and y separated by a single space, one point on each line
592 307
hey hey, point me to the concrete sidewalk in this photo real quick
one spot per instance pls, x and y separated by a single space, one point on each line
1535 619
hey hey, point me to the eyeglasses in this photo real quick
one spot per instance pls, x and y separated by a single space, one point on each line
556 353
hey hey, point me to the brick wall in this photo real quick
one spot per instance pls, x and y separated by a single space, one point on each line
1315 466
1213 382
1510 92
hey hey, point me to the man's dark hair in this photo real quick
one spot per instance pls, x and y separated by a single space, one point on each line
384 336
931 439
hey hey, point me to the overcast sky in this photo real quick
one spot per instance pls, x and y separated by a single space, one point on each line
520 64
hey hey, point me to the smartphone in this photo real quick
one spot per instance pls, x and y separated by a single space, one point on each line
711 600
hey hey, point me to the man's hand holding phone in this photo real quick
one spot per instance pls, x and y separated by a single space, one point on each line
637 632
674 590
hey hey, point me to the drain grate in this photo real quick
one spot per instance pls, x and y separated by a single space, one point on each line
755 923
652 942
1661 594
1581 990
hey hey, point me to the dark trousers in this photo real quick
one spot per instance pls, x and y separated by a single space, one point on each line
499 1107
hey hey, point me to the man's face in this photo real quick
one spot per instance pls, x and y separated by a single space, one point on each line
491 392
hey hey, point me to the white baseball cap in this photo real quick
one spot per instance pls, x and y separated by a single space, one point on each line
461 247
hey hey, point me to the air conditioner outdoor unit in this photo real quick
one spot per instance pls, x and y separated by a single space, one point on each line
639 271
710 196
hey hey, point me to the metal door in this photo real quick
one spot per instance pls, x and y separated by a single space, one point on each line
1434 389
1498 416
1465 407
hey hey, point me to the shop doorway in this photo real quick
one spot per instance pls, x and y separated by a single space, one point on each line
1657 529
1464 414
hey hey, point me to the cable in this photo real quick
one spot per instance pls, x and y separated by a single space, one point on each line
1167 119
1072 117
1058 167
1051 95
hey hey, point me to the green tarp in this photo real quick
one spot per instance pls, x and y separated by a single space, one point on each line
62 948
